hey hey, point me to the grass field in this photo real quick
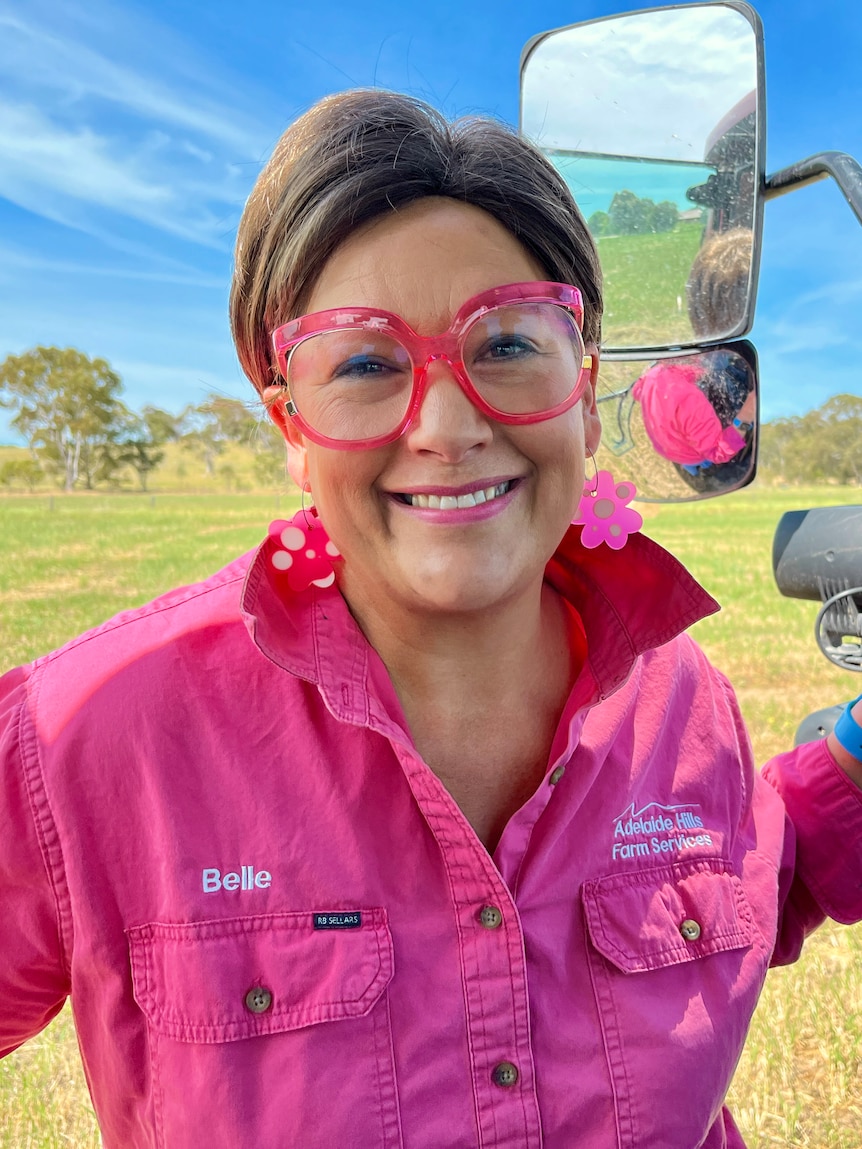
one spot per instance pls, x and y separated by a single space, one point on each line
68 564
644 286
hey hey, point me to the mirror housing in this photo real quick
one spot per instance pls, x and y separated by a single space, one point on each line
681 427
671 189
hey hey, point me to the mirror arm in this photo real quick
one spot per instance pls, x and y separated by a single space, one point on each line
843 168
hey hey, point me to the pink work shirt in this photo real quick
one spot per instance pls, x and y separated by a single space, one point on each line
680 420
279 930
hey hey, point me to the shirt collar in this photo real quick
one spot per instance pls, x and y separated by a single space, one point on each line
629 603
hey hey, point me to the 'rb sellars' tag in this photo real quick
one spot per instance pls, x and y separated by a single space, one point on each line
350 921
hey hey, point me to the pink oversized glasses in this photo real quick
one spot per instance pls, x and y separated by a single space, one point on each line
357 377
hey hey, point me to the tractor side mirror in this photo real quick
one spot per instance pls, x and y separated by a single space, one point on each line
655 120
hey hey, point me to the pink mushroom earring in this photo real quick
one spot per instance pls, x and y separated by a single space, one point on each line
605 513
301 552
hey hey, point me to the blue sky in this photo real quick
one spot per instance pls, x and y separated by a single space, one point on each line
130 135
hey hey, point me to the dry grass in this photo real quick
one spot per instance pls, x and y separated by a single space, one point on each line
43 1096
799 1084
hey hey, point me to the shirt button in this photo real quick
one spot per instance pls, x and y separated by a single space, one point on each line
690 930
490 917
258 1000
505 1075
557 775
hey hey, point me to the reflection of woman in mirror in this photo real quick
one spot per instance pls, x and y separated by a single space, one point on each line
700 413
422 824
693 409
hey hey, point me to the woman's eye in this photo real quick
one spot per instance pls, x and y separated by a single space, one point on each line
363 367
508 347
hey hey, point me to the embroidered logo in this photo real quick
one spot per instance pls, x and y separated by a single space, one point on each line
246 879
656 830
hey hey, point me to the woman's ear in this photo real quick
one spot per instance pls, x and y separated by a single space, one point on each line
297 452
592 422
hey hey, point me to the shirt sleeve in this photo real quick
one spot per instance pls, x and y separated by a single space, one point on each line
822 868
33 973
702 429
728 444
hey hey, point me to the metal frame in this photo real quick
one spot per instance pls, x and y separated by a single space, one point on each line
839 165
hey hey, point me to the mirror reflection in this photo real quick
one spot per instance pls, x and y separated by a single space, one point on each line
651 120
679 428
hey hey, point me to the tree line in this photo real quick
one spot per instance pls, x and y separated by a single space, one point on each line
629 214
81 434
825 445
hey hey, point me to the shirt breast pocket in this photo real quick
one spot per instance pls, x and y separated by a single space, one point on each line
677 964
267 1031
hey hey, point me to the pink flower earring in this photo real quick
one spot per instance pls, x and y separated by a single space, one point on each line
301 552
605 513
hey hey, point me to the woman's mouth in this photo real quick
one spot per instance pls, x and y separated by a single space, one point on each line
457 502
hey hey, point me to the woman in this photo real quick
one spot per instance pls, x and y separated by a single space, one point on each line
423 825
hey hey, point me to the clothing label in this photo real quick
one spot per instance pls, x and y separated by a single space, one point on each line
351 921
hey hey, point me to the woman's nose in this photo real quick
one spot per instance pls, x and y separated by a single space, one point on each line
447 423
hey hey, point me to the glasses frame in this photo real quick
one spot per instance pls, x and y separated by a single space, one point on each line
427 349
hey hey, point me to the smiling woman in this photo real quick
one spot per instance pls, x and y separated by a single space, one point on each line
425 739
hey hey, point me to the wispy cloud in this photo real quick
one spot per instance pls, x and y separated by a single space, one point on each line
14 261
87 132
174 387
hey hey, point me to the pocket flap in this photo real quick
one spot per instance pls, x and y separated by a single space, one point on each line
192 979
636 919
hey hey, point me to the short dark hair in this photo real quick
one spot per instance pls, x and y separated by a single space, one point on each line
361 154
717 287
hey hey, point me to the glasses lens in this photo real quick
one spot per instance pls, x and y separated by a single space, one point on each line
350 383
524 358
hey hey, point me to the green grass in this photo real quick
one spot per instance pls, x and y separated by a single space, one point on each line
644 286
66 566
69 562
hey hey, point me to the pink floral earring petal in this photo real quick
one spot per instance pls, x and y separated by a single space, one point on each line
301 553
605 513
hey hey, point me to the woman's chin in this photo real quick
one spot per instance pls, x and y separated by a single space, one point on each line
449 590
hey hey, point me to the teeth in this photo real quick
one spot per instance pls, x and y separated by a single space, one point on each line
452 502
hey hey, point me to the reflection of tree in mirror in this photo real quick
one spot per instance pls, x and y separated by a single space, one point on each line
630 214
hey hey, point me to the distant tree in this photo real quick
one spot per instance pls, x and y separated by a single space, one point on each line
270 457
664 216
599 223
623 213
209 427
162 426
824 445
842 414
65 405
141 440
20 472
629 214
